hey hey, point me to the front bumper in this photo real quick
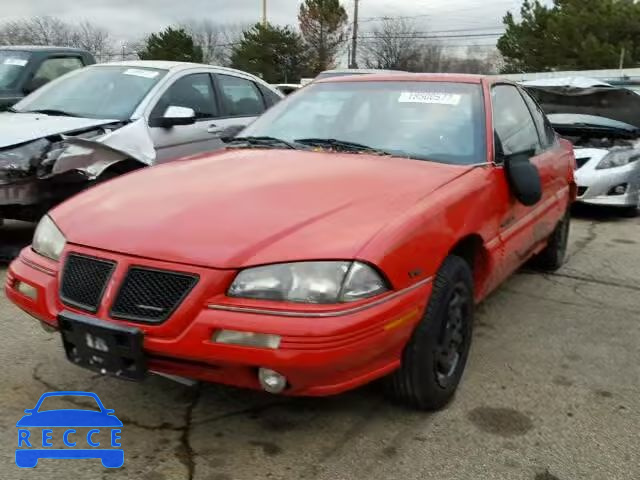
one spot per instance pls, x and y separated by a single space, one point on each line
323 351
595 186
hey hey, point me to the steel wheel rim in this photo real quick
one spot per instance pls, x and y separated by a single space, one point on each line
453 338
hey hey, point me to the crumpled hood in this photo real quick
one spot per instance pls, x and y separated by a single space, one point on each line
248 207
17 128
588 97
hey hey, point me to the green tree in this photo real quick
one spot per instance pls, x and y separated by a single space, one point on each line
571 35
276 54
323 24
171 44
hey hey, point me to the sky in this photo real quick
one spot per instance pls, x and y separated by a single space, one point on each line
131 19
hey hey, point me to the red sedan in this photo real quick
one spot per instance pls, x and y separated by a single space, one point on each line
343 237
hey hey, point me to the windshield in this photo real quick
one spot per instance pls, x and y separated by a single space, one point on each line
111 92
436 121
12 65
65 402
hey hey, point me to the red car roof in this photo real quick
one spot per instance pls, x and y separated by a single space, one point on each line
409 77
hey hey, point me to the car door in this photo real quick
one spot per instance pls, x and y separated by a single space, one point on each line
195 91
523 227
242 100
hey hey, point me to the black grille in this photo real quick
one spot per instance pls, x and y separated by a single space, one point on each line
84 280
580 162
582 191
151 296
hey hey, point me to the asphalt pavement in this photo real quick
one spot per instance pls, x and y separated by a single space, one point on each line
551 392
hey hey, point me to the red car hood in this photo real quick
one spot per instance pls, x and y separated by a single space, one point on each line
248 207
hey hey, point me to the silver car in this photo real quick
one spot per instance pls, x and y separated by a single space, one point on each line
603 123
105 120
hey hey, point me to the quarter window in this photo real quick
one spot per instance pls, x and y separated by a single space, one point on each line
53 68
515 130
192 91
241 97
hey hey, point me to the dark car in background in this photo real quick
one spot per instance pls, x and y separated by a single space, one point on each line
25 69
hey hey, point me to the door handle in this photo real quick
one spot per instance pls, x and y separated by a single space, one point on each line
214 130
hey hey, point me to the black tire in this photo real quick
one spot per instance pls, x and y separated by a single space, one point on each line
631 212
429 376
553 256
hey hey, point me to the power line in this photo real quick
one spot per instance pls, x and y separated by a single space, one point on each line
409 37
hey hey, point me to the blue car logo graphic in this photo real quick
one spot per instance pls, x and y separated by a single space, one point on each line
32 446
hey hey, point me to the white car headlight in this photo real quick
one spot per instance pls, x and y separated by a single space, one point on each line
48 240
619 158
309 282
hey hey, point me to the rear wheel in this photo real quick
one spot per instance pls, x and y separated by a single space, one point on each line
552 257
434 359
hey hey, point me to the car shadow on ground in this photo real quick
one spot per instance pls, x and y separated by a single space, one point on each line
598 213
14 236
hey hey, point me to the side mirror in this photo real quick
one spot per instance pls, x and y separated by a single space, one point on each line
174 116
229 133
523 177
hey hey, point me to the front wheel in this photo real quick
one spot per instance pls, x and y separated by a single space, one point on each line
434 359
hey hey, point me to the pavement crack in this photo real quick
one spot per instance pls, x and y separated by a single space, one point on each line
186 453
35 374
245 411
595 281
570 303
582 244
582 278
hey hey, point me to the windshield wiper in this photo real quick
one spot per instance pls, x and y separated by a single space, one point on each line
341 145
262 142
50 111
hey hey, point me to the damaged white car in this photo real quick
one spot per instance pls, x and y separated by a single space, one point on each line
603 123
105 120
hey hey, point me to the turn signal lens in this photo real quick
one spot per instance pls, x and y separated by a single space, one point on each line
26 289
247 339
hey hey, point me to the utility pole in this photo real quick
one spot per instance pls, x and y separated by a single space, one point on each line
264 13
354 39
621 65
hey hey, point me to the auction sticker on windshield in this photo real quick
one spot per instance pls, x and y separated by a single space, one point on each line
430 97
89 431
141 73
18 62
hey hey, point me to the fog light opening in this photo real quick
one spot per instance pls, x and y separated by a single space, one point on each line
271 381
619 189
26 289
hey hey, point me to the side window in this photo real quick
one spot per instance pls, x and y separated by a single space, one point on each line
53 68
515 130
241 97
192 91
270 97
547 135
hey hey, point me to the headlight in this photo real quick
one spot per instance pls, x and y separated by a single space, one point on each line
309 282
48 240
618 158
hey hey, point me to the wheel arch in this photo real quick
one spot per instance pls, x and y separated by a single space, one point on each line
472 249
121 167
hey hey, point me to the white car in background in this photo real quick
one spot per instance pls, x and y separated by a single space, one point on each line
105 120
603 123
